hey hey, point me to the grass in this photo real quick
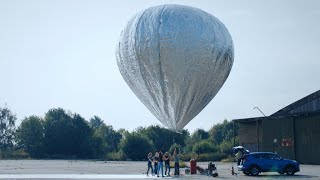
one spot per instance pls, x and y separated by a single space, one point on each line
17 154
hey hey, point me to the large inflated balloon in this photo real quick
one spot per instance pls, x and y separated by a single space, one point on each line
175 59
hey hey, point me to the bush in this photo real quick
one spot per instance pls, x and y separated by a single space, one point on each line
216 156
210 157
17 154
187 157
203 147
114 156
226 147
182 164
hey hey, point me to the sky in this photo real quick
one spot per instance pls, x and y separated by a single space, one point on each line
62 54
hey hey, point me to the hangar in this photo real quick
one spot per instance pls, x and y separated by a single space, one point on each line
292 132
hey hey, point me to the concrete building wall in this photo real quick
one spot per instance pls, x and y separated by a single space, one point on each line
248 134
293 132
308 139
278 136
292 137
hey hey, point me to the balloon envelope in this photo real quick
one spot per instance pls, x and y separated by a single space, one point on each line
175 59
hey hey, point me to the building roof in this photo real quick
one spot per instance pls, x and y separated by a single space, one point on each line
245 120
308 104
305 106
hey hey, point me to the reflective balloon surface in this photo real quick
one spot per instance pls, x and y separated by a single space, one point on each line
175 59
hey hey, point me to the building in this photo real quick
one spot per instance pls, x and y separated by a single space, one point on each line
292 132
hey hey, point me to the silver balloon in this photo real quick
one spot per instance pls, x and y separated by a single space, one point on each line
175 59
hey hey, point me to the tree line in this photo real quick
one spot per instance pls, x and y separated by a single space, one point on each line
62 134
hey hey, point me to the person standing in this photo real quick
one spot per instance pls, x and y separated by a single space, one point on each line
176 162
239 155
160 164
167 163
150 163
156 159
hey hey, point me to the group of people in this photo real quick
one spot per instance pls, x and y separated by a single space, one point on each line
155 163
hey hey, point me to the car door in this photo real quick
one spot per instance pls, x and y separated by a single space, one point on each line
265 162
275 162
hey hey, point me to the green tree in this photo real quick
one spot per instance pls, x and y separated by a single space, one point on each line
173 147
223 132
226 147
163 138
200 134
7 128
123 132
96 122
56 127
136 146
204 147
195 137
30 135
81 137
66 134
110 138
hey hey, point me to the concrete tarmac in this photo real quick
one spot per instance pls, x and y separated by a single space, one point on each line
89 169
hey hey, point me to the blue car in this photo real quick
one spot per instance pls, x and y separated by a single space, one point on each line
254 163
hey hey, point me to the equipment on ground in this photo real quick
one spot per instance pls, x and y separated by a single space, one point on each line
210 171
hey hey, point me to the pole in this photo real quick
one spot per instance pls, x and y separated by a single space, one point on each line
258 133
260 111
234 142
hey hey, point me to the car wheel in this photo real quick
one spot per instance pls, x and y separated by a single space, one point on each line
289 171
246 173
254 171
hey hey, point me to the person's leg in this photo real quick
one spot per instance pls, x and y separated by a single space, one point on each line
162 169
149 166
168 169
158 169
175 169
165 172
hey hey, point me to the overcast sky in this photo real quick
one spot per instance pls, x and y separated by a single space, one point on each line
62 54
